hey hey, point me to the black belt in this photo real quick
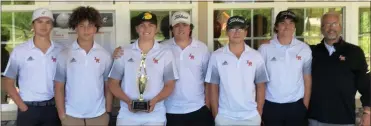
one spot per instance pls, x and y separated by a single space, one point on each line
50 102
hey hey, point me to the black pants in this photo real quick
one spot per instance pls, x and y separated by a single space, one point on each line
201 117
38 116
286 114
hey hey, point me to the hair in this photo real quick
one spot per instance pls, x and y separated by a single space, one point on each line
191 25
328 14
82 13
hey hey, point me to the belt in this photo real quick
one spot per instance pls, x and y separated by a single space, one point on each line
50 102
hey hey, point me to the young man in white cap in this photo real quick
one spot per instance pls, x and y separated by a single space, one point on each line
81 92
149 63
187 104
237 77
288 61
33 63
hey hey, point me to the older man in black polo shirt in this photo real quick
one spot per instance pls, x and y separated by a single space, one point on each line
339 70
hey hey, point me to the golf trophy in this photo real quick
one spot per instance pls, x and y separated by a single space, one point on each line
141 104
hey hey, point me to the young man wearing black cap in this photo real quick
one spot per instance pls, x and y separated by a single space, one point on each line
288 61
32 64
188 103
237 77
146 60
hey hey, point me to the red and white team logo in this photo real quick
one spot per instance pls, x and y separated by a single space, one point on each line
155 60
54 59
298 57
248 62
96 59
192 57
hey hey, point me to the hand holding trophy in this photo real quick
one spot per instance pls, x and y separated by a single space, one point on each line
140 104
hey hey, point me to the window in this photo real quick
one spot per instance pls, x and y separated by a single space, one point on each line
259 30
163 24
308 28
17 2
160 1
82 2
241 1
15 29
364 32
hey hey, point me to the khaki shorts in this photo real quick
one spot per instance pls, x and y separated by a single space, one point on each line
102 120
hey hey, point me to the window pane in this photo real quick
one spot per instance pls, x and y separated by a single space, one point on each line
312 40
309 22
18 2
300 24
364 43
159 1
262 23
86 2
18 24
241 1
364 20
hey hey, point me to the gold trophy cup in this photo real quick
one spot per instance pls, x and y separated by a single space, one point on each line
141 104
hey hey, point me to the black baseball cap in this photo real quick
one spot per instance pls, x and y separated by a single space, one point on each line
147 16
236 21
287 14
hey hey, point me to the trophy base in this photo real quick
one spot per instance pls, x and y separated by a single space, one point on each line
138 105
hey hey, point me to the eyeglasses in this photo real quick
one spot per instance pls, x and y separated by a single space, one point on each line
334 24
236 30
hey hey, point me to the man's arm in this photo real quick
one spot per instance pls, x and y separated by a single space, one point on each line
261 77
205 62
170 75
107 92
60 78
14 95
10 75
307 89
260 96
212 77
207 95
59 98
214 98
307 76
115 76
362 79
114 87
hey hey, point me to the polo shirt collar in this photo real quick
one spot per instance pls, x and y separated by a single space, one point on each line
279 45
76 46
135 45
193 42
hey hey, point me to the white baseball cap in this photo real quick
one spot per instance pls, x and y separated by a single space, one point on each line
42 12
180 17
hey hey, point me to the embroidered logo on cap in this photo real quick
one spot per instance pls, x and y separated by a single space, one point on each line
180 16
147 16
236 20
